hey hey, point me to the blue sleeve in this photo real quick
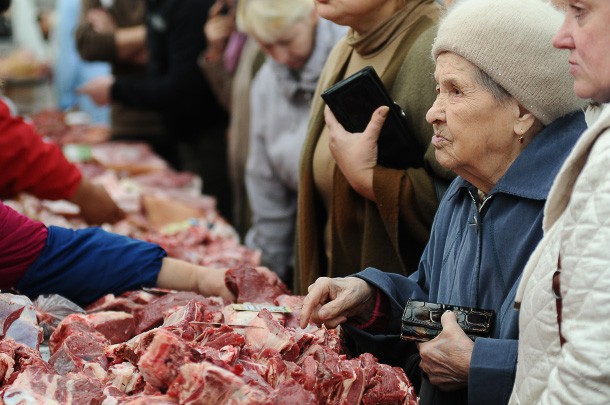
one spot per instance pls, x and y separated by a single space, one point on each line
82 265
398 289
492 371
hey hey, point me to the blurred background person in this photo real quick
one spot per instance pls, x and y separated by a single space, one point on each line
230 62
504 125
70 71
114 32
564 325
350 217
176 88
297 43
29 164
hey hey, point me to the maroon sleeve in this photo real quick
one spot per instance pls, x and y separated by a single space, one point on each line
28 163
381 315
21 241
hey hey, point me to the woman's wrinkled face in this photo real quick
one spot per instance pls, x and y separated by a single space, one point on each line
474 134
586 33
294 46
358 14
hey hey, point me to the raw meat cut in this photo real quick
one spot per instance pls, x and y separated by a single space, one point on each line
251 286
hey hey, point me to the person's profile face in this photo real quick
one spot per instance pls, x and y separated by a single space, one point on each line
473 133
586 34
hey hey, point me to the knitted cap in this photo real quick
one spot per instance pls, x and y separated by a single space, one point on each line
510 40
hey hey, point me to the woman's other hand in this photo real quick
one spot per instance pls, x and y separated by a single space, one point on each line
332 301
356 154
446 358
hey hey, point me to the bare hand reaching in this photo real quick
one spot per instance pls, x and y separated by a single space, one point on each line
332 301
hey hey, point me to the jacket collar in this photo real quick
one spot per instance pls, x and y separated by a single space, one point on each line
532 173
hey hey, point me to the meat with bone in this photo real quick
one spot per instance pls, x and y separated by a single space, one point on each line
205 383
151 315
39 386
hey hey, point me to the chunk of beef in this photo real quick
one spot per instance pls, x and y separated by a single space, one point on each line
151 315
205 383
160 362
249 285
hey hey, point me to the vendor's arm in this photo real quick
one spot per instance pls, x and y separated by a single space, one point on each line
29 164
85 264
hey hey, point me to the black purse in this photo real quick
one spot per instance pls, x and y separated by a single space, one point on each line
421 321
353 101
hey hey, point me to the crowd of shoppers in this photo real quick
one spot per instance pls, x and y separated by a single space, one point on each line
506 213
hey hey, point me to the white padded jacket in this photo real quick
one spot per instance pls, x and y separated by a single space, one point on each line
577 227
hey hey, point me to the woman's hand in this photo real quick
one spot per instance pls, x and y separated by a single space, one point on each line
446 358
356 154
101 21
218 29
332 301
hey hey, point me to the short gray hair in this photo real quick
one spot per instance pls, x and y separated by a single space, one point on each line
498 92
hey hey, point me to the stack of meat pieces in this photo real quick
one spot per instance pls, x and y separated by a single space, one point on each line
184 348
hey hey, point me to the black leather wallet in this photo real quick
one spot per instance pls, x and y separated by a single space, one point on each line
421 321
353 101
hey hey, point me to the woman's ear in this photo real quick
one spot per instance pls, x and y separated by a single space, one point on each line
525 122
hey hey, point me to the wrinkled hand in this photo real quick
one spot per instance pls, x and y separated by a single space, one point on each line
333 301
98 89
446 358
101 21
356 154
96 205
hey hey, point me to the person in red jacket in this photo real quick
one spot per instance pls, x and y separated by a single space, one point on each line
29 164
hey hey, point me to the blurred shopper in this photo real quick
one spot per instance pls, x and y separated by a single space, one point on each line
175 87
70 71
297 43
230 62
114 32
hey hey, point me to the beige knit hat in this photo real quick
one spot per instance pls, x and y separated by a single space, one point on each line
510 40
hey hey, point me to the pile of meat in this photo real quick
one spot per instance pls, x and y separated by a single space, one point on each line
184 348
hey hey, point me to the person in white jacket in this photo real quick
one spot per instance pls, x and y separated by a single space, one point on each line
564 295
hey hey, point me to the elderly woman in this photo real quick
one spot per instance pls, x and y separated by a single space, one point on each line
297 43
563 343
344 224
503 122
